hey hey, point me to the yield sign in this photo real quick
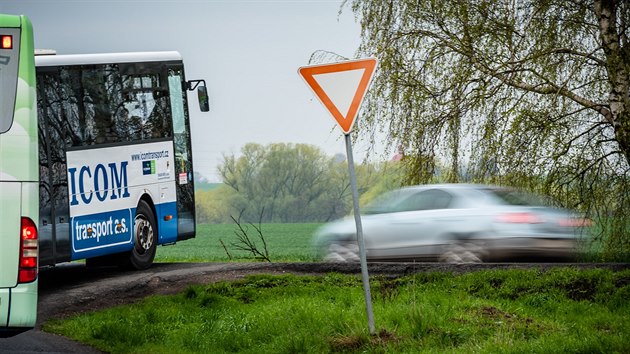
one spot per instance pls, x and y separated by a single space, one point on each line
341 87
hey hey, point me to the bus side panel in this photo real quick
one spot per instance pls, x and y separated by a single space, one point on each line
18 163
23 301
16 301
10 194
168 229
10 241
5 301
105 186
24 296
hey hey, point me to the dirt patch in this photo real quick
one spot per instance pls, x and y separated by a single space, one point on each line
581 289
355 342
622 281
73 288
108 288
495 314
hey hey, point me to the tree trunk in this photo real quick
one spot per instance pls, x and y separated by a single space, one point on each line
618 68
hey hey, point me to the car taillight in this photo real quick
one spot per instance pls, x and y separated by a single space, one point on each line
520 218
28 251
575 222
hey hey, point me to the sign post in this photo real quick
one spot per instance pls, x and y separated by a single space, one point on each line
340 87
357 219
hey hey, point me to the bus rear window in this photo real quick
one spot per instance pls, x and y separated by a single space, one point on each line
8 77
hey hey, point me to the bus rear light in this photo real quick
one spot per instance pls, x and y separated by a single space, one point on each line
28 251
6 41
28 275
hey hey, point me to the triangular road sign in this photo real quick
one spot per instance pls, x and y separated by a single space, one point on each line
341 87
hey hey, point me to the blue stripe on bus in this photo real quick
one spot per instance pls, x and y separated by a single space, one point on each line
167 222
100 234
111 232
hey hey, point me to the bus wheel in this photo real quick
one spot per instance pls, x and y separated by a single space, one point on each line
145 237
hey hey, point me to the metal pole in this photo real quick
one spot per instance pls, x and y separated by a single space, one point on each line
357 219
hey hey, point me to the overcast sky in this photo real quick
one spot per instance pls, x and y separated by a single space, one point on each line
247 51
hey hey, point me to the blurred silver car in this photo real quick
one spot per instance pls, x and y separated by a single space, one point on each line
454 223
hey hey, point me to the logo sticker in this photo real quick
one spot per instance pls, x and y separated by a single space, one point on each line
148 167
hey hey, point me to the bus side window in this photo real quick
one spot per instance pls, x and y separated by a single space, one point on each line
146 106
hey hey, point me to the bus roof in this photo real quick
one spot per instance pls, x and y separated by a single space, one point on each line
106 58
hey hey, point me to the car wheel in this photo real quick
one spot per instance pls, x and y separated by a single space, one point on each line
462 251
342 252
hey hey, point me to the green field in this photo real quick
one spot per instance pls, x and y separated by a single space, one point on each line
285 243
563 310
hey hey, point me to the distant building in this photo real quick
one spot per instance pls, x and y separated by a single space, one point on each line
399 155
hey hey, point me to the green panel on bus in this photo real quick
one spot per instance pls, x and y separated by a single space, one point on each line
9 233
19 176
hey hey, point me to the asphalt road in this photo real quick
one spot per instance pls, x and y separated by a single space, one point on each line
72 288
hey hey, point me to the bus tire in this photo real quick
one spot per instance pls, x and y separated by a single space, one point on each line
145 237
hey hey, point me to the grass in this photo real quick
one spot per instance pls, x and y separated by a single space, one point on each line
285 242
563 310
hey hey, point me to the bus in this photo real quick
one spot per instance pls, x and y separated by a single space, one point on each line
19 185
115 158
95 162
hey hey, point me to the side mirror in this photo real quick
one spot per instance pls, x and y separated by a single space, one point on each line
202 95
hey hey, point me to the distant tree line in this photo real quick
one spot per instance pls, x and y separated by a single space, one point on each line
288 183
